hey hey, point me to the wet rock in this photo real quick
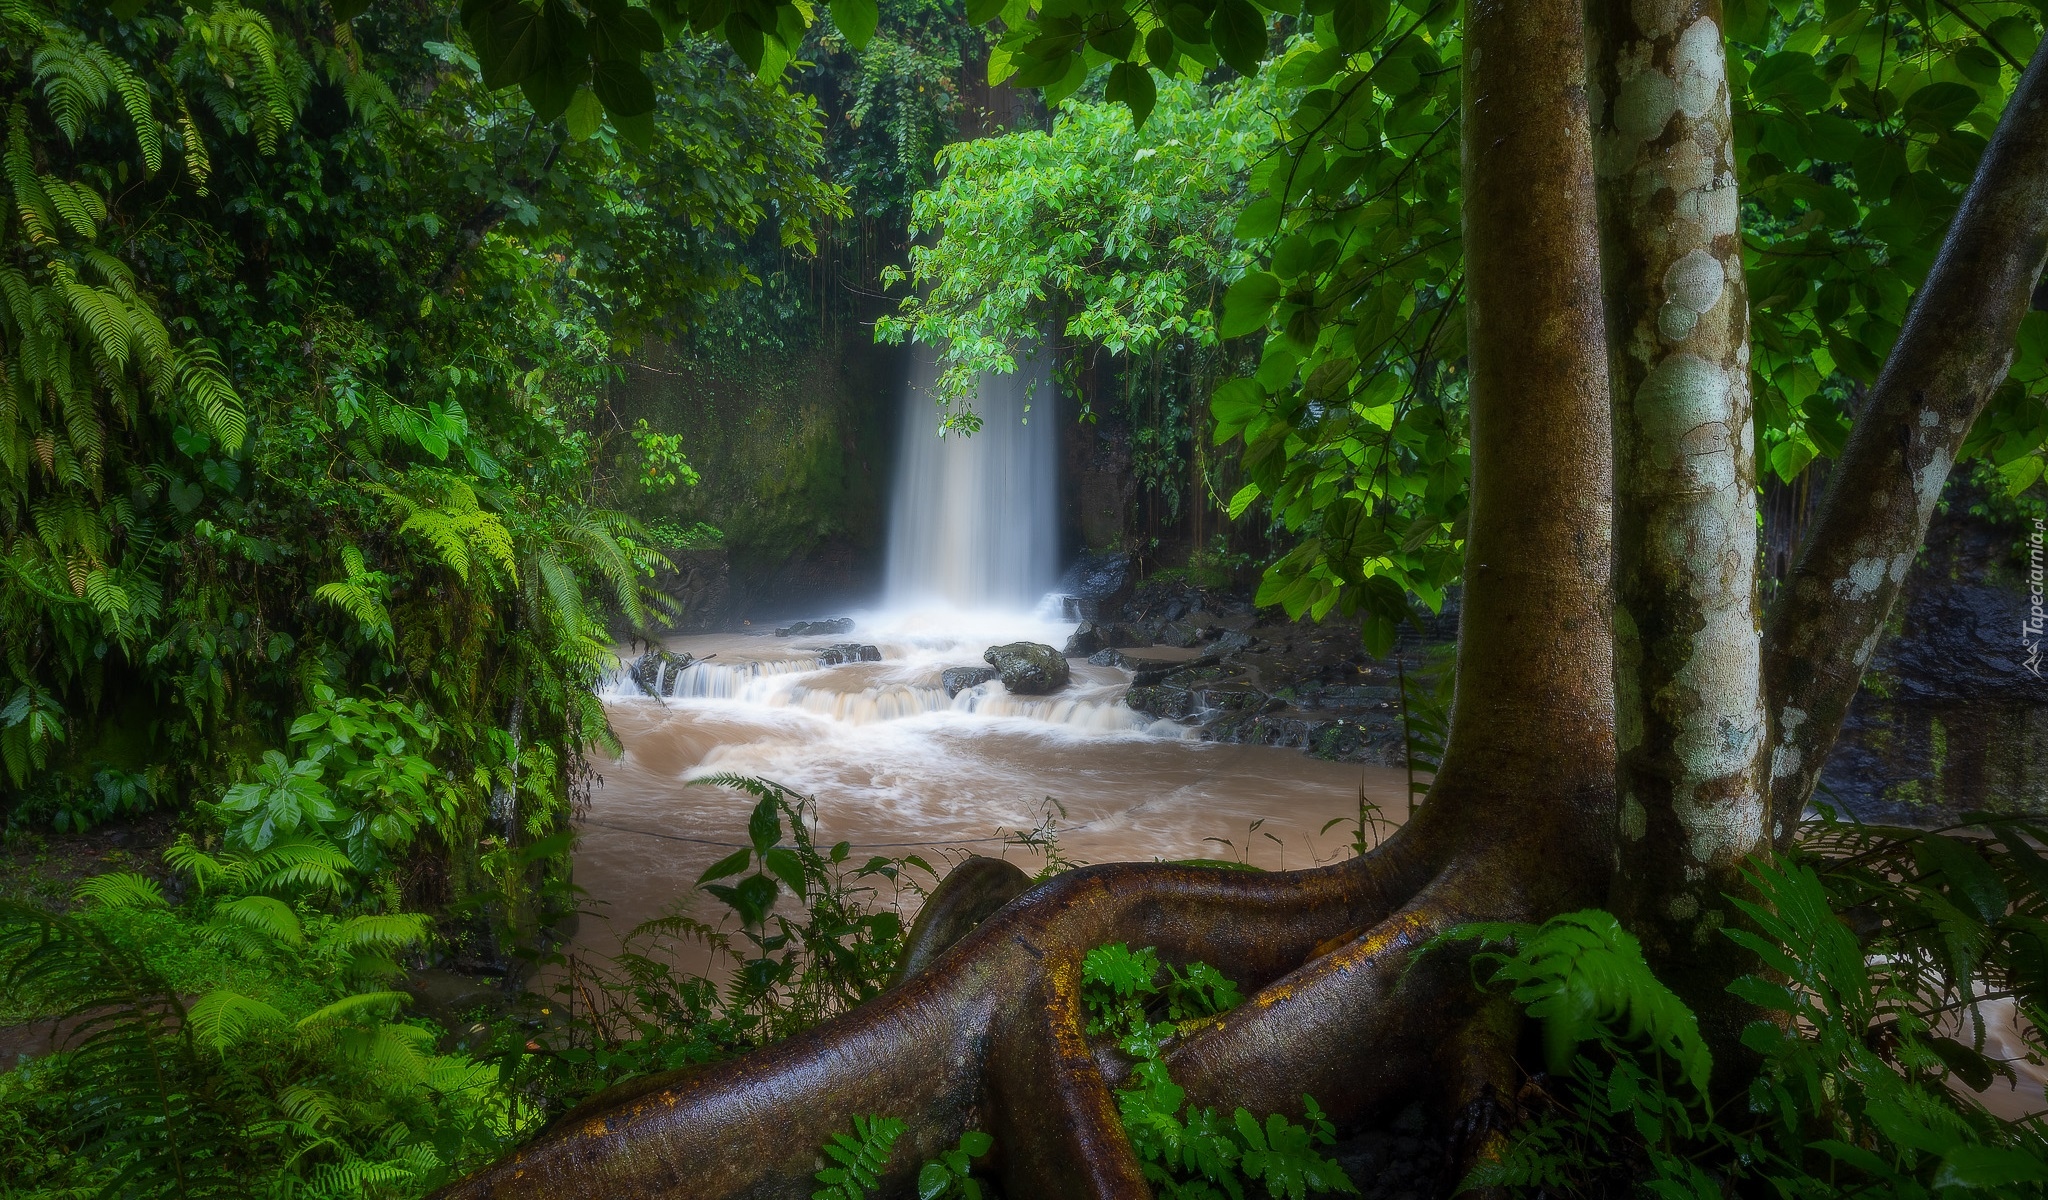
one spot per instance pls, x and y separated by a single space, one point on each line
1094 636
1178 633
959 679
655 672
1096 585
1029 668
1165 703
1115 656
816 628
848 652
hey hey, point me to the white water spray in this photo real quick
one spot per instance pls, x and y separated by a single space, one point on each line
974 522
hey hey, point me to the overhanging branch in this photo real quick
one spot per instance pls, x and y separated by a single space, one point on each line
1955 350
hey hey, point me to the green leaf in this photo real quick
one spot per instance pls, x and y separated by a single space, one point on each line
623 88
1239 34
1397 76
857 19
1988 1166
586 114
764 826
731 864
1249 303
1260 219
639 130
786 866
1357 23
1131 84
1940 106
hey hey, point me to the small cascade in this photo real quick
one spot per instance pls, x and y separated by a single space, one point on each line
804 685
974 521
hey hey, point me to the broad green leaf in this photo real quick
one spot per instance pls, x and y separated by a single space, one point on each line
1249 304
857 19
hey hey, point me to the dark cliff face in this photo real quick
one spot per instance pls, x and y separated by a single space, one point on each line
795 452
1952 718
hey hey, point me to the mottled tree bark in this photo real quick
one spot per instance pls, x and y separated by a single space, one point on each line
1688 689
1955 350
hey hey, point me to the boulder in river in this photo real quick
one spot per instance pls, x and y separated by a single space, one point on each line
655 672
816 628
1092 636
848 652
1096 585
1029 668
959 679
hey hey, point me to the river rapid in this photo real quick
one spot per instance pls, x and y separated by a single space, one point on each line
897 768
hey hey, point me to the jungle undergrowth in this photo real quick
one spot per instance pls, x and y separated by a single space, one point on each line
270 997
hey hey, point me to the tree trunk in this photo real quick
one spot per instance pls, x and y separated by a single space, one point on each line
1688 688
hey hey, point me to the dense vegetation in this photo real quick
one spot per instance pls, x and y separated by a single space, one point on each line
315 533
1335 171
308 336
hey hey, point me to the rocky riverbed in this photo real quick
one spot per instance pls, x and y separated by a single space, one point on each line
1205 656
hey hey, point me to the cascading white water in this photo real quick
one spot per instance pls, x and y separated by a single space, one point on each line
974 522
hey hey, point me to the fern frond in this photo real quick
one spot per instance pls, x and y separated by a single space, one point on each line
73 84
379 931
222 1018
208 390
141 112
862 1158
300 862
266 915
120 889
377 1005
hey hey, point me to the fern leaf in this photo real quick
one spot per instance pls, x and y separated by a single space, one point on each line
223 1018
73 85
141 113
120 889
207 387
266 915
377 1005
386 931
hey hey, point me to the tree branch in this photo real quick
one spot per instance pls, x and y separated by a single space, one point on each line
1955 351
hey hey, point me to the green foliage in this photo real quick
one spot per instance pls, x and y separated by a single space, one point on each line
1877 950
1096 240
862 1158
637 1014
662 465
1857 127
948 1177
1583 976
837 954
325 419
293 1072
1195 1155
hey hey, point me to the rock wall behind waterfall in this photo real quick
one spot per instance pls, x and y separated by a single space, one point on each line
795 453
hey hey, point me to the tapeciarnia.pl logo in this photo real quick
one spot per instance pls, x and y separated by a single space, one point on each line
2037 618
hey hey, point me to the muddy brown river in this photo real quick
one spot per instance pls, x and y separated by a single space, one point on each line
897 767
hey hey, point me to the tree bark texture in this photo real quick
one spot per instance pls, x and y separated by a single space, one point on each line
1955 350
1688 690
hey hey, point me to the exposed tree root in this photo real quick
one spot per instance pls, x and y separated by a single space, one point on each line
991 1034
969 894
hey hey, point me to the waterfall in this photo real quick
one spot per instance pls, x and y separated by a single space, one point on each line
974 522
